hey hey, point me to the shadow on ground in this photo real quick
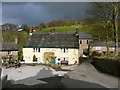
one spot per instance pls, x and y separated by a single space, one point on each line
45 79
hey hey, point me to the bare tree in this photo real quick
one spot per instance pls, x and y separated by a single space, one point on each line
107 14
115 13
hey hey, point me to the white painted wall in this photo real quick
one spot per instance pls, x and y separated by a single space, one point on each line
28 53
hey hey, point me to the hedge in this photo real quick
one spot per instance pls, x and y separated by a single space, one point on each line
108 66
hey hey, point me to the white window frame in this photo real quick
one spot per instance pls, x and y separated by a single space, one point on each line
33 49
36 49
64 58
64 50
98 48
10 52
113 48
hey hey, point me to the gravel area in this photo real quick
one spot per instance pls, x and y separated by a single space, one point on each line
29 71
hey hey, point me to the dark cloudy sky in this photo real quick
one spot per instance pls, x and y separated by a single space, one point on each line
35 13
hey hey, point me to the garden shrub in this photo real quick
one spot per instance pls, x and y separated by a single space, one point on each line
34 58
109 66
96 53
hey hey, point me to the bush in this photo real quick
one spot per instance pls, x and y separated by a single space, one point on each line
96 53
109 66
10 57
20 57
34 58
81 59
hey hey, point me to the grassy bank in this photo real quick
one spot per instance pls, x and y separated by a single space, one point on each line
82 28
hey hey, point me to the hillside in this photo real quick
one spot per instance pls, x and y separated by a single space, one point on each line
82 28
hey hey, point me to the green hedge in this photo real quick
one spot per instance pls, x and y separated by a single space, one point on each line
108 66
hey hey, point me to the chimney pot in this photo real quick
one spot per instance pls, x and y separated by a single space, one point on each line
31 30
77 29
53 29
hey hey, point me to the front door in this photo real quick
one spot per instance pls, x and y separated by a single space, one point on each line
53 61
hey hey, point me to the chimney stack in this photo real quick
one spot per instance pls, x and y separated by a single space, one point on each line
53 29
77 29
31 30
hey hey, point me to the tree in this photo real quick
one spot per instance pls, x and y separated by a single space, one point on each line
115 11
20 57
107 15
25 27
9 26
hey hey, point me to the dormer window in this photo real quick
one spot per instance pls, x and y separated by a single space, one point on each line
80 41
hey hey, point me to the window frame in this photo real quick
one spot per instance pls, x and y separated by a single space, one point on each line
87 42
9 52
64 50
80 41
98 48
36 49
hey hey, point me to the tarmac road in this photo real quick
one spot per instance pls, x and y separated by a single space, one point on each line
83 76
87 72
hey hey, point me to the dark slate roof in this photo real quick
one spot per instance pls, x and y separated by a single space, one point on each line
84 35
97 43
5 46
52 40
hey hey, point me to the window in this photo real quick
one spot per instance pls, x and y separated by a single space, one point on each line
113 48
36 49
33 49
64 58
80 41
98 48
64 50
9 52
87 42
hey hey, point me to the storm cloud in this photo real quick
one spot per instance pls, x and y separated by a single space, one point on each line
35 13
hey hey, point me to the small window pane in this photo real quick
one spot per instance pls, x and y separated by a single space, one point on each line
33 49
62 50
66 50
80 41
87 41
38 49
98 48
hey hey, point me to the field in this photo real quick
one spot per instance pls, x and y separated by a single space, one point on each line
82 28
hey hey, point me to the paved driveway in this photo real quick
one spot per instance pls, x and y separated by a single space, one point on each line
87 72
82 76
